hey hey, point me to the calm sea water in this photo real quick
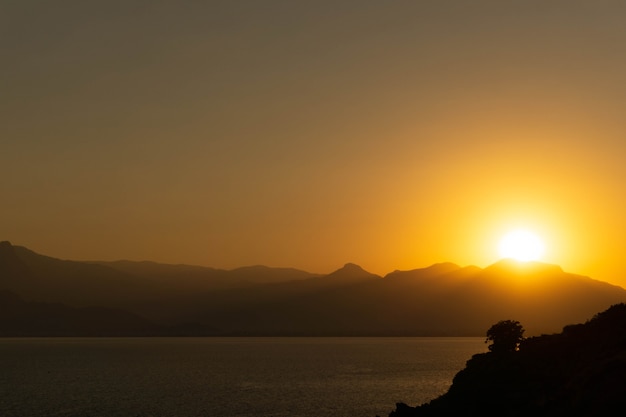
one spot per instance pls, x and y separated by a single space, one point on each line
217 377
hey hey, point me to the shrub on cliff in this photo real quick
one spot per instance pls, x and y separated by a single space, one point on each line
505 335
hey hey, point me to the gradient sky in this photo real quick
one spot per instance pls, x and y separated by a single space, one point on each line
392 134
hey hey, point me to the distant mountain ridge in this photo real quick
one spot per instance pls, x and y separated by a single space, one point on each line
444 299
21 318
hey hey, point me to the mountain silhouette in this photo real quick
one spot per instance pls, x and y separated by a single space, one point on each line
148 288
208 277
21 318
350 273
444 299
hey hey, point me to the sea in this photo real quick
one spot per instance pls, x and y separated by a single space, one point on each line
226 377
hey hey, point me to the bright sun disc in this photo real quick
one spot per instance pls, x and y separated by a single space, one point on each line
521 245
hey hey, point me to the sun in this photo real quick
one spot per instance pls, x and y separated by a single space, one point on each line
521 245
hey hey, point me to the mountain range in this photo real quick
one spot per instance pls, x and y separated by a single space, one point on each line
40 295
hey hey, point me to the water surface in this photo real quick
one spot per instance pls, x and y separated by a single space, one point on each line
216 377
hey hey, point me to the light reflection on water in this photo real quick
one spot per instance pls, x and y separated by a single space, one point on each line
225 376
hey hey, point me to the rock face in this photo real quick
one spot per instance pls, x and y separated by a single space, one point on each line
579 372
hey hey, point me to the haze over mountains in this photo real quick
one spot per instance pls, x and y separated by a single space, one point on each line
40 295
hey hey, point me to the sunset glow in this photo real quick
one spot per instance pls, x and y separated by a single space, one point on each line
274 183
394 135
521 245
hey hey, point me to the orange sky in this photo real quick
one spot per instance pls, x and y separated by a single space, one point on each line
389 134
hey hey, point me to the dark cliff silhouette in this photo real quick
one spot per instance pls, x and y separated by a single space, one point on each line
578 372
441 300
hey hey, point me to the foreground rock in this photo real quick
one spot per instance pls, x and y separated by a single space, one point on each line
579 372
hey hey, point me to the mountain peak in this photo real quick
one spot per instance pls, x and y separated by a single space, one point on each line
434 270
11 266
352 272
7 252
444 267
351 267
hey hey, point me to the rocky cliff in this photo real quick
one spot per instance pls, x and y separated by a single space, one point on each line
579 372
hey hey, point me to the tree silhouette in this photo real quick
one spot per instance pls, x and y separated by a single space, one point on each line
505 336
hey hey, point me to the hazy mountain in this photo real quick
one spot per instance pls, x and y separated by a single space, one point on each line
149 288
289 308
443 299
209 278
21 318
